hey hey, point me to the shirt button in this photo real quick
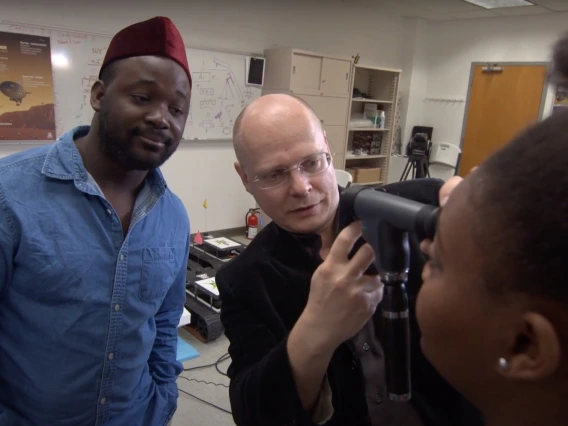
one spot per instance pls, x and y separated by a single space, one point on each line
121 257
378 399
366 346
117 307
110 356
109 211
103 401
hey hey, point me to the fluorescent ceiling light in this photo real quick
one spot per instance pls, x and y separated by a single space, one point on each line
496 4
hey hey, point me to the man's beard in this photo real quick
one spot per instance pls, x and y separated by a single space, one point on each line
121 149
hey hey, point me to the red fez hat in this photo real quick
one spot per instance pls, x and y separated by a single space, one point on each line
155 37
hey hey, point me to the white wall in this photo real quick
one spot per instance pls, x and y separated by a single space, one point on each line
414 76
435 58
453 46
205 170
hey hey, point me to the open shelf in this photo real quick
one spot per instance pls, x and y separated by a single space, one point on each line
363 157
369 147
367 129
380 182
371 101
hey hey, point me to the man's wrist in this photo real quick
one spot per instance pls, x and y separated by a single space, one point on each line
309 354
312 338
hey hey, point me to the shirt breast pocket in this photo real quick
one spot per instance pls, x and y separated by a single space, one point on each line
158 272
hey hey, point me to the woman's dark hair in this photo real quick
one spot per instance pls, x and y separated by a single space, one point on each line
521 196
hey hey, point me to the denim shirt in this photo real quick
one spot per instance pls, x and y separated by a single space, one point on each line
88 316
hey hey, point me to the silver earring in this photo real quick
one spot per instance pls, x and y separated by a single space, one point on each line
503 364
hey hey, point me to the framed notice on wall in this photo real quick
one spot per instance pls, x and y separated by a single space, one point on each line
27 107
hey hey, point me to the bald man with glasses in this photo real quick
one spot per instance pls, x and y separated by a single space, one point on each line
299 314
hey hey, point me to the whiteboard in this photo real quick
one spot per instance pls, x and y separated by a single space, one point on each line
219 90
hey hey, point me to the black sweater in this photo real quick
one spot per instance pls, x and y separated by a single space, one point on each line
264 291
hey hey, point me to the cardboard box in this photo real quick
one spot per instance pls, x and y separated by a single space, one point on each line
365 174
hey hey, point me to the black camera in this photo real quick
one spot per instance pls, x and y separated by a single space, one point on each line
418 152
419 145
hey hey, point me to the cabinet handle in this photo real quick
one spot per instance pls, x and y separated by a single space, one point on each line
346 76
294 69
323 81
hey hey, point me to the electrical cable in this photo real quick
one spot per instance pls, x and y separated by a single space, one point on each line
204 382
216 365
206 402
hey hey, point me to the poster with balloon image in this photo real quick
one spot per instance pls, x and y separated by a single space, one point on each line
27 110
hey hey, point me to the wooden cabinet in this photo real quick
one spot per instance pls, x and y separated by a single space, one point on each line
307 73
323 81
316 75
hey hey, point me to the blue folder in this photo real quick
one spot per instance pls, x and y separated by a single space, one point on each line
185 351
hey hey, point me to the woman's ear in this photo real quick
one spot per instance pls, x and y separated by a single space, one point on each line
535 353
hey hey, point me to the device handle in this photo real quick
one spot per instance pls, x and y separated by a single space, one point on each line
396 340
394 260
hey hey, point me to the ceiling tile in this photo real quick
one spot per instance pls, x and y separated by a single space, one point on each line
516 11
452 9
436 16
473 15
447 6
555 5
496 4
418 7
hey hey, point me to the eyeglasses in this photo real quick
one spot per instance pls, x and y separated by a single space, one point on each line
310 166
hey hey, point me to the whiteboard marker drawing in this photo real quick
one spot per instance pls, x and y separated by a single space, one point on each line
219 63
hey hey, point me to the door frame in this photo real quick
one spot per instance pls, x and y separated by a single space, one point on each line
545 85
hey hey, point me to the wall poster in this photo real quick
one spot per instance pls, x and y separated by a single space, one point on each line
27 106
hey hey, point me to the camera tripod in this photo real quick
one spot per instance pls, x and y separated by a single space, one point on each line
419 166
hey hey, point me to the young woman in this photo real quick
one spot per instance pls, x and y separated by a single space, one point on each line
493 309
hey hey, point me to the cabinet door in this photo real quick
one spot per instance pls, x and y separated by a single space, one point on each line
331 111
335 75
339 162
336 137
306 74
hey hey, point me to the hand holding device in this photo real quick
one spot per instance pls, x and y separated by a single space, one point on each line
342 298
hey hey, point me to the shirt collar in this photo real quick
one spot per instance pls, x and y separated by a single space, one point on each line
63 161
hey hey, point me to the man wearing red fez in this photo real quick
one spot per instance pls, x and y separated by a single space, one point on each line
94 249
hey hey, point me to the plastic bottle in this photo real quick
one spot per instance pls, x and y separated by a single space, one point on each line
382 119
